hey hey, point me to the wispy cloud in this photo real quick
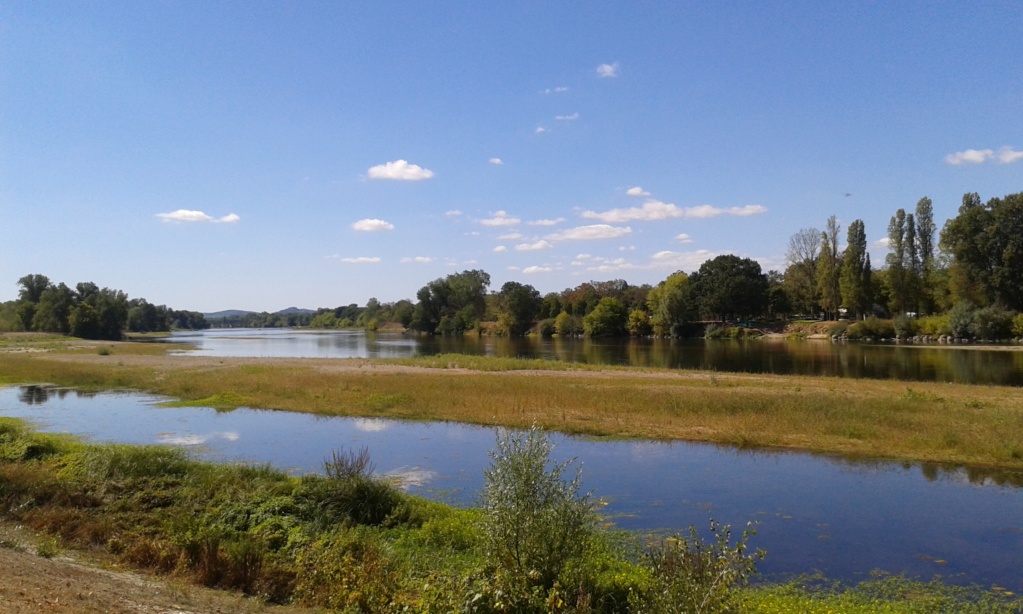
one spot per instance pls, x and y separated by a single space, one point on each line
511 236
399 170
501 218
561 89
532 247
605 71
417 260
496 161
1005 155
637 191
685 261
188 216
540 130
532 270
567 118
453 213
653 210
592 232
553 222
500 248
372 225
683 238
361 260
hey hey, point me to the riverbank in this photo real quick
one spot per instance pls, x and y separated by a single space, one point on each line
945 423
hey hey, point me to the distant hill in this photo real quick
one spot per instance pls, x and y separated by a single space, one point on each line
232 313
228 313
295 310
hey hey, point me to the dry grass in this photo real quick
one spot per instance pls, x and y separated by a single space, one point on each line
917 421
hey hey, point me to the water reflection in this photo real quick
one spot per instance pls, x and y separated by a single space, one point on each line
841 516
780 356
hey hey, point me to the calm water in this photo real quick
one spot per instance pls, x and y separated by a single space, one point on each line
781 356
816 513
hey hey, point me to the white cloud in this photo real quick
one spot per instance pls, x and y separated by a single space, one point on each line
186 216
453 213
607 70
532 247
500 248
556 90
970 156
530 270
567 118
881 243
501 218
627 248
683 238
540 130
595 231
511 236
637 191
546 222
361 260
417 260
653 210
687 261
1007 155
372 225
399 170
496 161
583 257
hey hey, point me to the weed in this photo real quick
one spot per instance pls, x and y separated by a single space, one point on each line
48 548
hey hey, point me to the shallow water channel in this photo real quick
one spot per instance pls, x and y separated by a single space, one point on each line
838 516
995 365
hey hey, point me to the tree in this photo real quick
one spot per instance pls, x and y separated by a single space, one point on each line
801 273
519 305
608 319
829 268
728 287
53 309
855 274
32 287
451 305
670 305
986 243
928 265
638 324
897 265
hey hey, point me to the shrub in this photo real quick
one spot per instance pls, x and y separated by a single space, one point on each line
534 523
694 576
904 326
839 329
1017 325
350 493
934 325
991 323
960 320
547 328
878 328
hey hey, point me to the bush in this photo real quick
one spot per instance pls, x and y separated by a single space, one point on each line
534 523
935 326
837 330
350 493
1017 325
991 323
693 576
904 326
960 320
878 328
547 328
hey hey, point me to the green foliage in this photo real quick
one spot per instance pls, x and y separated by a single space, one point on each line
451 305
728 287
608 319
991 323
547 328
838 329
566 325
692 576
534 523
904 326
960 320
671 305
519 305
349 493
854 277
638 324
934 326
1017 325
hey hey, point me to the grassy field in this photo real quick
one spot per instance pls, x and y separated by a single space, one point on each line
936 422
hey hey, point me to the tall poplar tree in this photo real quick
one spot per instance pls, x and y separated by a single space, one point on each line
855 274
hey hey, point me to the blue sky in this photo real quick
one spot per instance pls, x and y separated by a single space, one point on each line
258 155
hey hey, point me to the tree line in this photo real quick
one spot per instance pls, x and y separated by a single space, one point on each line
968 279
88 311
